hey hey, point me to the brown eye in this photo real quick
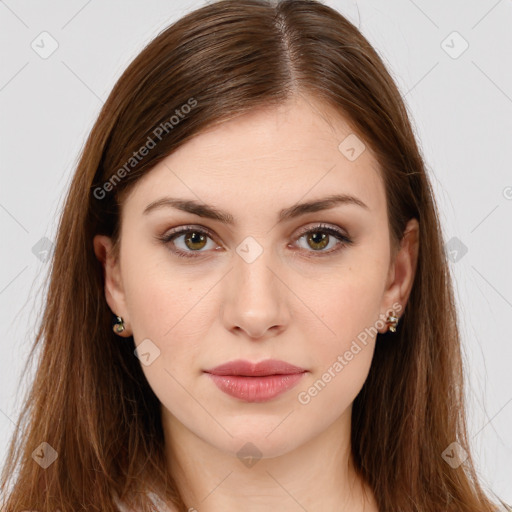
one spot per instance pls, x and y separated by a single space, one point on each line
319 237
193 243
318 240
195 240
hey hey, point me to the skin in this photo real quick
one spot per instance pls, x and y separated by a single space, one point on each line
291 303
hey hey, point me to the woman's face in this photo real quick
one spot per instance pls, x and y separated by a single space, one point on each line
269 284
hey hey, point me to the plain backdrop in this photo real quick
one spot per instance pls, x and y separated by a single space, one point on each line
452 63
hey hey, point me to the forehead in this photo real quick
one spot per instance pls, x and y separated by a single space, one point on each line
268 158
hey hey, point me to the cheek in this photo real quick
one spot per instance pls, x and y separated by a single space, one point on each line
158 292
348 306
171 310
169 305
342 357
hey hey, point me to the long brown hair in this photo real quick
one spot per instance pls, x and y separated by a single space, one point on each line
90 400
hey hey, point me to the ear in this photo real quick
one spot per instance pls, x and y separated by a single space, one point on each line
401 272
114 293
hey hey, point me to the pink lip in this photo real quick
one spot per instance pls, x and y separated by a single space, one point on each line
255 382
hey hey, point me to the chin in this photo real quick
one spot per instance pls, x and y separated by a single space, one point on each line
262 441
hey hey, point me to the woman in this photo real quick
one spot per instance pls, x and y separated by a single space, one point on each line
252 211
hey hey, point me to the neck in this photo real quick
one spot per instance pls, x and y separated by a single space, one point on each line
317 475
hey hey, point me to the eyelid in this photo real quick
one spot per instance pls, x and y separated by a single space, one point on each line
321 226
342 236
186 229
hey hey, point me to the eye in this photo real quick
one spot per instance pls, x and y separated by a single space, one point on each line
195 239
320 236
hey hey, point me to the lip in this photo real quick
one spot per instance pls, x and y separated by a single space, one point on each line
255 382
261 369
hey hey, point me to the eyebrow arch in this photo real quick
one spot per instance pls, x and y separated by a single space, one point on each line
210 212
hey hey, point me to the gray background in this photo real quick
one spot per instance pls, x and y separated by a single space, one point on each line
460 103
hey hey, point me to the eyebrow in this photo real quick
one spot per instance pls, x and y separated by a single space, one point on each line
211 212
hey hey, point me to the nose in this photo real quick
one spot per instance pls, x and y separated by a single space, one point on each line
256 298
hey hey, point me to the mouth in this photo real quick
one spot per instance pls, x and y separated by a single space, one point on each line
255 382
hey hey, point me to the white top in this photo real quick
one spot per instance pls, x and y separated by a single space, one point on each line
155 499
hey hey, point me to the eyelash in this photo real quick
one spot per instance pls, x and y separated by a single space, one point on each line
320 228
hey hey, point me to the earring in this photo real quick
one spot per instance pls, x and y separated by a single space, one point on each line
392 321
118 327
